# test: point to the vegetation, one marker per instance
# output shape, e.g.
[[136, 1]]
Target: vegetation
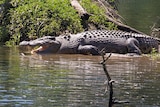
[[154, 55], [97, 17], [4, 20], [29, 19]]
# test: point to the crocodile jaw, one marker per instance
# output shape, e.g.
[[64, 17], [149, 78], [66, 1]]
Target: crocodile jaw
[[47, 48], [41, 48]]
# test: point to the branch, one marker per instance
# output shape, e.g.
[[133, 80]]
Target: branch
[[111, 101], [112, 16], [110, 81]]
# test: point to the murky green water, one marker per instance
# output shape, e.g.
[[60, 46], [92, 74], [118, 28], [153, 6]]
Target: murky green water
[[76, 80], [140, 14]]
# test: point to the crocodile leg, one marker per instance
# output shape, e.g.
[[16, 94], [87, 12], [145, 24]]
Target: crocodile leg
[[133, 46], [88, 49]]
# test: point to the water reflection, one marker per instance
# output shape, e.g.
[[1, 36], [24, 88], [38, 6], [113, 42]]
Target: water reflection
[[70, 78], [76, 80], [9, 71]]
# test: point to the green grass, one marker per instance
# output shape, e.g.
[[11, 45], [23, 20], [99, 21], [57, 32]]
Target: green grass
[[154, 54]]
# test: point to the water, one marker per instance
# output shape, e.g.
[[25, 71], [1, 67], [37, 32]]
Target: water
[[76, 80], [140, 14]]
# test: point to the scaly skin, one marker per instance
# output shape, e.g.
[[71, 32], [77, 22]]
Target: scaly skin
[[91, 42]]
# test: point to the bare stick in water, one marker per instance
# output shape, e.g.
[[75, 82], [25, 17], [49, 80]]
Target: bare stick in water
[[110, 81]]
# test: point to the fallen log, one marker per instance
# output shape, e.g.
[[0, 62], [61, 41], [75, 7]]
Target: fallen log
[[82, 12]]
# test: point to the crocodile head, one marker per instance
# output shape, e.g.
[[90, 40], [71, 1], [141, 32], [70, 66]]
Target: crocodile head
[[47, 44]]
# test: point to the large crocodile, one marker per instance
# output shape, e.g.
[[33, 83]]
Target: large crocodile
[[91, 42]]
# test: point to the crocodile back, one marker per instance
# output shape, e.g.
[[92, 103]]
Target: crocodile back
[[146, 43]]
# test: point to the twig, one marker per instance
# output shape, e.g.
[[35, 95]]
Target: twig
[[108, 77], [110, 81]]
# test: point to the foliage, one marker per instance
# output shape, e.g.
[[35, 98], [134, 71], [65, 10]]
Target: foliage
[[113, 3], [97, 14], [154, 55], [4, 7], [3, 33], [2, 1], [35, 18], [29, 19]]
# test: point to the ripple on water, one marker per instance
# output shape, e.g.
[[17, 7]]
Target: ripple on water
[[77, 80]]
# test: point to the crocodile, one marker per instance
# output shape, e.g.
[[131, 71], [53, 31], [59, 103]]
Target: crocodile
[[92, 42]]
